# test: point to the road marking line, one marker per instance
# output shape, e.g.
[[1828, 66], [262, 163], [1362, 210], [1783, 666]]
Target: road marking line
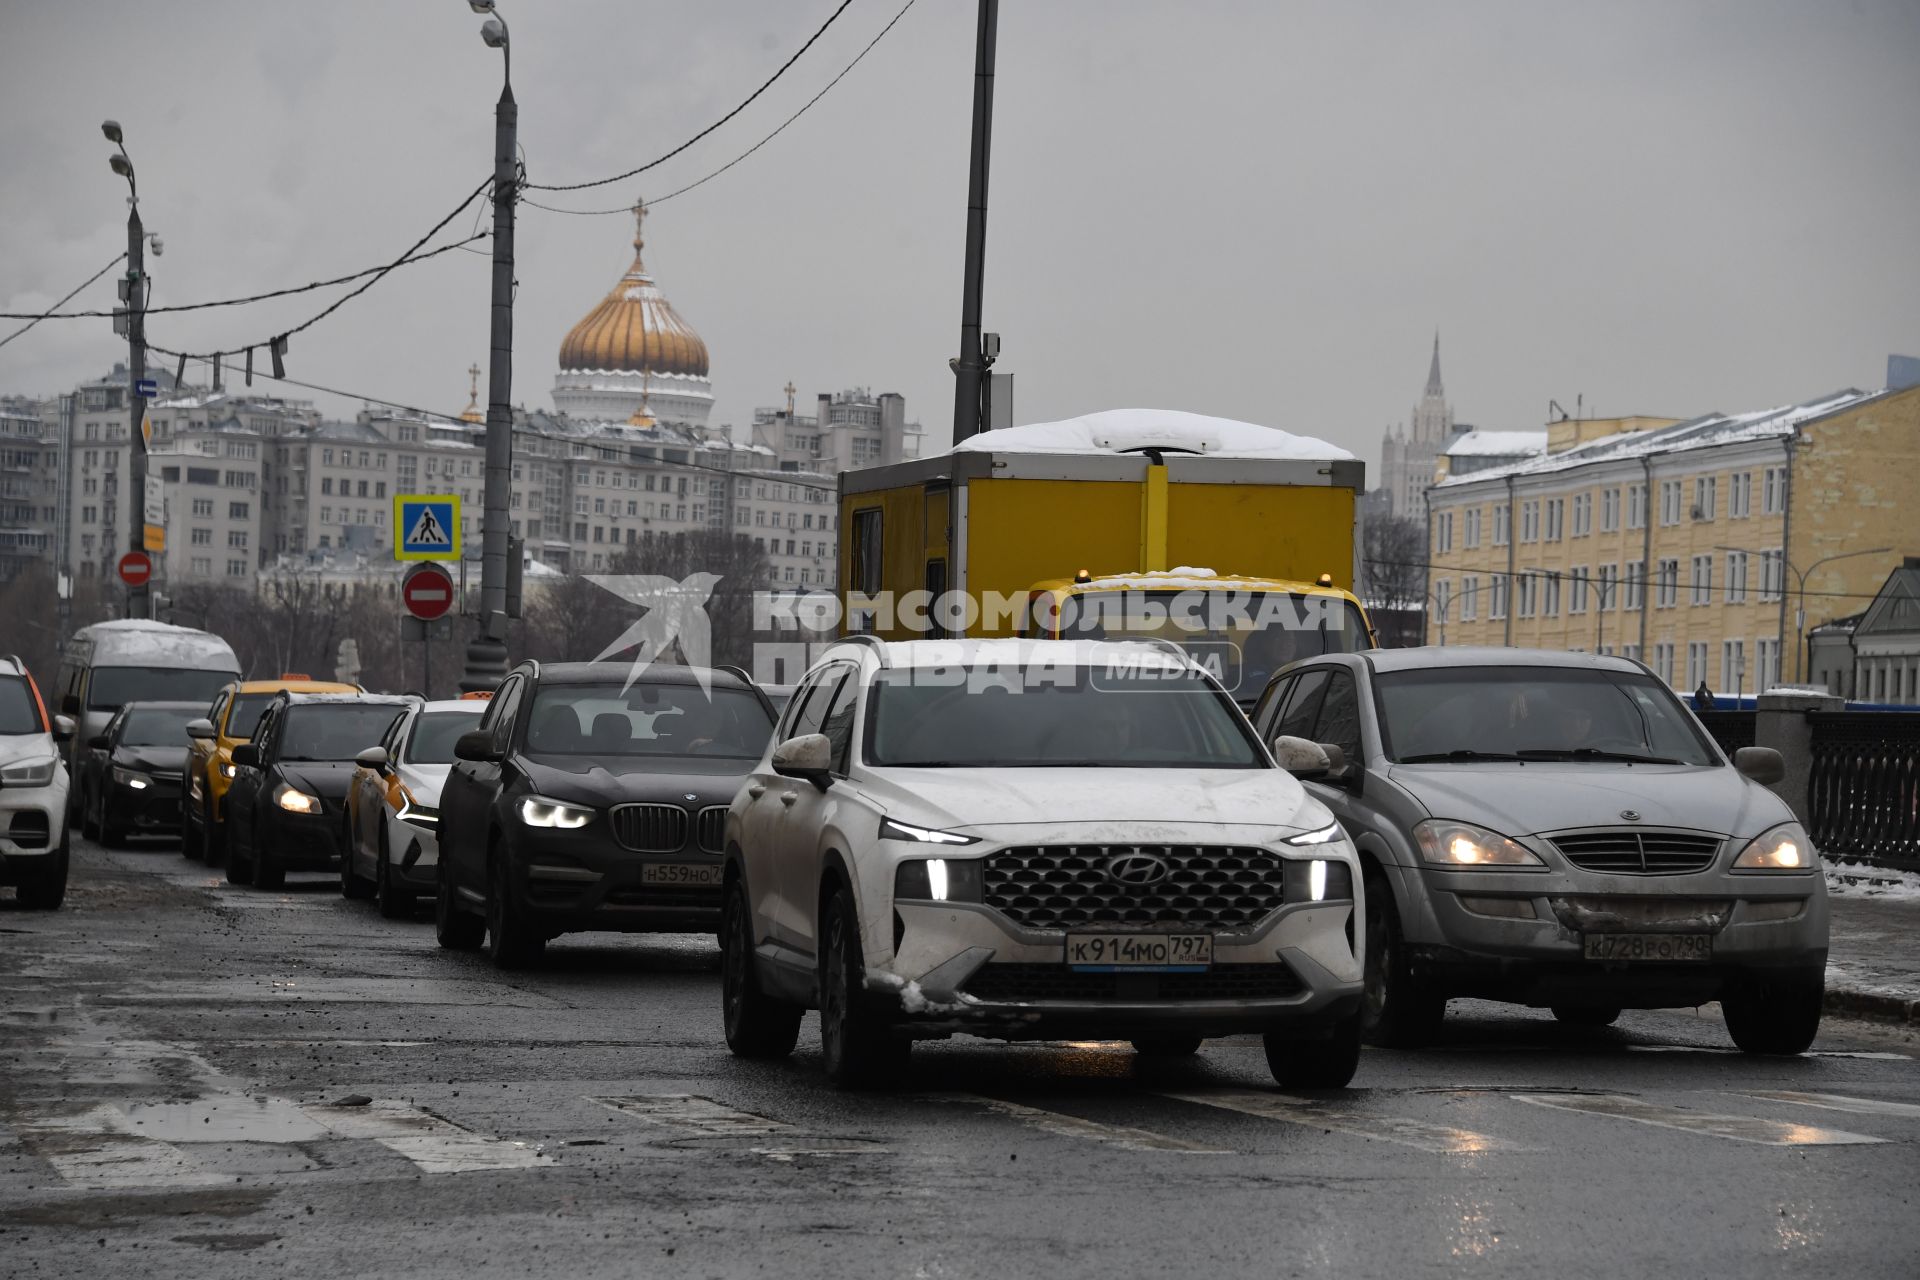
[[1318, 1115], [114, 1160], [1872, 1056], [693, 1112], [1061, 1125], [1838, 1102], [435, 1144], [1737, 1128]]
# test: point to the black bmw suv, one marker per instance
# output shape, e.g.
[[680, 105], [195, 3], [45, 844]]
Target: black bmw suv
[[592, 799], [286, 808]]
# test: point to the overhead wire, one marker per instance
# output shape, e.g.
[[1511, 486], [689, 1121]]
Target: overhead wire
[[118, 258], [597, 213], [635, 172]]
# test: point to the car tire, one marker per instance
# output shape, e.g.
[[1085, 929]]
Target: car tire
[[394, 902], [109, 835], [205, 847], [268, 873], [1166, 1046], [1400, 1009], [89, 824], [756, 1024], [454, 929], [1326, 1062], [352, 883], [1586, 1015], [239, 869], [858, 1049], [512, 941], [48, 889], [1775, 1015]]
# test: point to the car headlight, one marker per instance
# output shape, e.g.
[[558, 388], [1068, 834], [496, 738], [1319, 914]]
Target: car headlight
[[29, 773], [940, 880], [294, 800], [1462, 845], [1319, 835], [538, 811], [892, 830], [226, 769], [129, 778], [1784, 848], [411, 810]]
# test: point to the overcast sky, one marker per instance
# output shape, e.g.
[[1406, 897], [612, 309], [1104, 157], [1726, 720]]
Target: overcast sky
[[1261, 210]]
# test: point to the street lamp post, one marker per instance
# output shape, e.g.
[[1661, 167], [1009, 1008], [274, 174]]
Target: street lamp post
[[487, 654], [136, 299], [1440, 611]]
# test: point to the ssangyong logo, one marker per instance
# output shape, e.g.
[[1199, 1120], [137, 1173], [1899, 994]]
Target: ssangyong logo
[[1135, 869]]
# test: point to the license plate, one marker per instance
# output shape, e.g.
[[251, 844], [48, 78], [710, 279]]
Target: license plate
[[1666, 947], [692, 874], [1139, 952]]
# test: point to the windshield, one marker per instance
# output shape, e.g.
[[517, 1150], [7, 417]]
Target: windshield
[[647, 720], [434, 732], [1534, 713], [156, 727], [1070, 716], [335, 731], [113, 687], [1240, 637], [17, 712]]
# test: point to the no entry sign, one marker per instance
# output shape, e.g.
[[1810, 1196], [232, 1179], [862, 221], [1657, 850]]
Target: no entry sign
[[135, 568], [427, 591]]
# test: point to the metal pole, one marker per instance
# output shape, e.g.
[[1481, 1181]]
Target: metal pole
[[137, 597], [970, 367], [487, 653]]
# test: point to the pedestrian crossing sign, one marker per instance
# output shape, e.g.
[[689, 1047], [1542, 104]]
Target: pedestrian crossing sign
[[426, 526]]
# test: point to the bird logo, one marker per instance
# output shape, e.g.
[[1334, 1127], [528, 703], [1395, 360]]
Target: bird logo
[[675, 612]]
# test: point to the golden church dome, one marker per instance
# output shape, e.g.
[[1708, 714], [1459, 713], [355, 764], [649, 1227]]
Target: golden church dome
[[635, 329]]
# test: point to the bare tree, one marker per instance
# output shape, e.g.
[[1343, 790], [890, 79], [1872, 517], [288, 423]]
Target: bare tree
[[1393, 577]]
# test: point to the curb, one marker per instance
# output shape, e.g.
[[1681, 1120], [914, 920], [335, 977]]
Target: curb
[[1872, 1004]]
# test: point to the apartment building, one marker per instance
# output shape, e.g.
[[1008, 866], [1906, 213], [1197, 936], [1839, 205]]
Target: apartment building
[[848, 429], [1704, 548]]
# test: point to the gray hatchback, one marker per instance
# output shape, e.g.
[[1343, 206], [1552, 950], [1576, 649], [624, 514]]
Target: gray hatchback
[[1557, 830]]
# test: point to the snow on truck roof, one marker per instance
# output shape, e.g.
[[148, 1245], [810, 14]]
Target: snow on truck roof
[[1115, 431], [139, 642]]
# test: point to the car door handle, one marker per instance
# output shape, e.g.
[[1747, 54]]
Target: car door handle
[[788, 797], [756, 790]]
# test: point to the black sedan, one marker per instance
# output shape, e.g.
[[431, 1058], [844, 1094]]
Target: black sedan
[[284, 809], [591, 799], [130, 783]]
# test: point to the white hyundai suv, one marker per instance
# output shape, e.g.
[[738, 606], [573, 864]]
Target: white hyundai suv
[[1033, 840], [33, 791]]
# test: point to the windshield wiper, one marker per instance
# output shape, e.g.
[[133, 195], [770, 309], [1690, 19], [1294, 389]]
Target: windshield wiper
[[1594, 753], [1462, 753]]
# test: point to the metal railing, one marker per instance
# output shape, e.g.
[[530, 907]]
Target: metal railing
[[1863, 789], [1731, 729]]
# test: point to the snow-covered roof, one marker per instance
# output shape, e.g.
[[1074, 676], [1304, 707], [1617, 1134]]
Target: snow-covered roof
[[1481, 444], [1705, 432], [1115, 431], [141, 642]]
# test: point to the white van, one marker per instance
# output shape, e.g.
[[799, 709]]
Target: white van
[[134, 660]]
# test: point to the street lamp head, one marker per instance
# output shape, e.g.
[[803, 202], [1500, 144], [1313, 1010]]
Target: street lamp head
[[494, 32], [154, 243], [112, 129], [118, 163], [480, 6]]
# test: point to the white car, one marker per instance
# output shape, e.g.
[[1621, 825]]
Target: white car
[[1033, 840], [393, 806], [33, 791]]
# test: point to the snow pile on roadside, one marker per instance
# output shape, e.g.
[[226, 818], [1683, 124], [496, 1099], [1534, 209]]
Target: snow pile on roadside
[[1853, 880]]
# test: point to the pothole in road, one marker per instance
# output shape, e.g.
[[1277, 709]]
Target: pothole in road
[[223, 1118]]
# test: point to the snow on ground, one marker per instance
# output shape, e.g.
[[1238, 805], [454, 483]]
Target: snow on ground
[[1855, 880]]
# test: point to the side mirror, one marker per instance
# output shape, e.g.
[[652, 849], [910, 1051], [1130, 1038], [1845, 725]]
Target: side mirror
[[1763, 764], [98, 742], [246, 756], [70, 704], [1305, 760], [475, 744], [62, 729], [806, 757], [201, 730], [374, 758]]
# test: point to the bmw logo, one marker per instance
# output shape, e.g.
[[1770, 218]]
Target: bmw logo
[[691, 795]]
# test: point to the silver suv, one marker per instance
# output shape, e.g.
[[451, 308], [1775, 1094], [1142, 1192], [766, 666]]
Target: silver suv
[[1033, 840]]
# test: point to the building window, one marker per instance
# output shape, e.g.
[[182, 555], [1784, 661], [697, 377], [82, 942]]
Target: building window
[[1736, 574], [203, 506], [1469, 598], [326, 484], [1768, 654], [1530, 520], [1772, 574], [1740, 494], [1669, 502], [1497, 590], [202, 537], [1696, 663], [1550, 597], [1556, 518], [1472, 537], [1773, 491], [1442, 530], [1609, 510], [1702, 580], [1637, 506], [236, 568], [1706, 499], [1582, 514], [1577, 589], [1733, 664], [1668, 585], [1502, 525], [1635, 582]]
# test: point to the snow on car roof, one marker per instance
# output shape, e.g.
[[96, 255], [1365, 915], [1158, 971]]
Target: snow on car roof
[[469, 706], [1115, 431]]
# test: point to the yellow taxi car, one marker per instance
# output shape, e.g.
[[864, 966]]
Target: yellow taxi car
[[228, 723]]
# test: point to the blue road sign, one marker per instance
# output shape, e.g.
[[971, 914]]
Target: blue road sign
[[426, 526], [146, 388]]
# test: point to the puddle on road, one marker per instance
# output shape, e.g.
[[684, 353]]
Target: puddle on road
[[223, 1118]]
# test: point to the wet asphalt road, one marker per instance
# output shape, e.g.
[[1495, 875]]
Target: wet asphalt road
[[171, 1050]]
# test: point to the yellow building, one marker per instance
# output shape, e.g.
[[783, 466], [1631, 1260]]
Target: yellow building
[[1706, 548]]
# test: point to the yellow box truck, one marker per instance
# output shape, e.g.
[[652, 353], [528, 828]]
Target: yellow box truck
[[1233, 539]]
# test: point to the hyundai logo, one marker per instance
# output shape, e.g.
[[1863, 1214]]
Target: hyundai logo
[[1137, 869]]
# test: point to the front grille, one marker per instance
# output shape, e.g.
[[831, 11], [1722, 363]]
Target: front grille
[[1210, 888], [1631, 852], [711, 828], [650, 828], [1026, 983]]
